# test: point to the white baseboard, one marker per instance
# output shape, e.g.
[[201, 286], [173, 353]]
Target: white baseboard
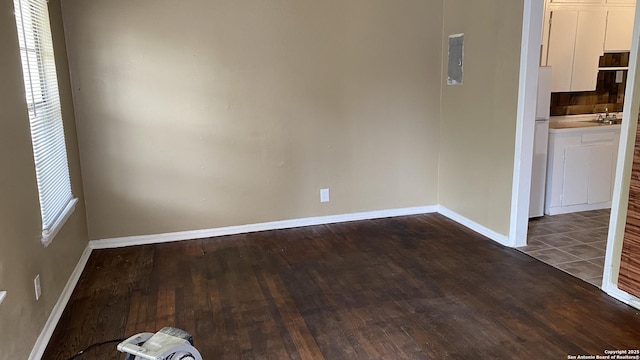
[[241, 229], [613, 291], [117, 242], [557, 210], [58, 309], [482, 230]]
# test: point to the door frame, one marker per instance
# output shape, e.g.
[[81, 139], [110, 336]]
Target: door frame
[[526, 112], [533, 14], [623, 173]]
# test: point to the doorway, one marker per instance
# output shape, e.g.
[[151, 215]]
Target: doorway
[[554, 228]]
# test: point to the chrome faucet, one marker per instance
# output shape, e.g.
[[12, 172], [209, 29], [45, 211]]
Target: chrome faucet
[[610, 118]]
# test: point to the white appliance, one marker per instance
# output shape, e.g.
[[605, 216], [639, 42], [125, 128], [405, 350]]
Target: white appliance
[[540, 143]]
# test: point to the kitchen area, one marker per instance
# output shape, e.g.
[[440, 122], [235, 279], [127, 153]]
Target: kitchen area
[[584, 64]]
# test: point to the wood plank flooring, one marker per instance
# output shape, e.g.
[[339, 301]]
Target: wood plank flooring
[[417, 287]]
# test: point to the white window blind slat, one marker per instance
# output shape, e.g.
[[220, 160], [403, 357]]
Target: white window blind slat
[[45, 116]]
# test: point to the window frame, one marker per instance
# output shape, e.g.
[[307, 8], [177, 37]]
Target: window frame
[[42, 96]]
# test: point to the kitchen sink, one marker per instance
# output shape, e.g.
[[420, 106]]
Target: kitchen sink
[[610, 121]]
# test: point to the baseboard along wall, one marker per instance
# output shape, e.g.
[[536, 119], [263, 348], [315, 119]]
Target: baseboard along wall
[[58, 308], [111, 243]]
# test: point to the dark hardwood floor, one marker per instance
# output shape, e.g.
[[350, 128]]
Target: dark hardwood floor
[[418, 287]]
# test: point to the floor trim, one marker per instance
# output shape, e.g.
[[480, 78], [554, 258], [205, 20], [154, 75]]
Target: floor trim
[[110, 243], [481, 229], [613, 291], [58, 309]]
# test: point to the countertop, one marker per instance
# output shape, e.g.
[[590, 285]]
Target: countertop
[[578, 123]]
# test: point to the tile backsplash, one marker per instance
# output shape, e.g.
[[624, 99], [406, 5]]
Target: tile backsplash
[[609, 94]]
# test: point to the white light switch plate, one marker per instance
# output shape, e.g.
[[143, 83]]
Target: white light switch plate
[[3, 294], [324, 195]]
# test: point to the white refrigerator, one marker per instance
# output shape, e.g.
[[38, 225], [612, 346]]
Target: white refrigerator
[[540, 143]]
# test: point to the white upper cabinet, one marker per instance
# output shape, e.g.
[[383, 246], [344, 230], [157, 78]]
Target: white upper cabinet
[[576, 42], [619, 29], [577, 32], [561, 47], [589, 48]]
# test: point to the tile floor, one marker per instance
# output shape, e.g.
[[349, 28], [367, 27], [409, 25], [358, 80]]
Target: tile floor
[[574, 243]]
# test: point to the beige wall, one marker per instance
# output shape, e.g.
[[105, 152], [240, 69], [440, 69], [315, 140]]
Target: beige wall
[[22, 256], [203, 114], [477, 133]]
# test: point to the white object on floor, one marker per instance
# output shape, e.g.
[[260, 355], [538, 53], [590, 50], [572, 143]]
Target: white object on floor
[[168, 343]]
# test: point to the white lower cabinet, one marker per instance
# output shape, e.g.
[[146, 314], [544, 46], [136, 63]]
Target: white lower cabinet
[[575, 182], [587, 174], [581, 169]]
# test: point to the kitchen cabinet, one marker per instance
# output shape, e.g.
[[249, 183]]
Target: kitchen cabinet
[[560, 51], [589, 47], [619, 29], [588, 174], [576, 39], [581, 168]]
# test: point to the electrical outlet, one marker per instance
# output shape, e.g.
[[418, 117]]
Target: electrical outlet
[[36, 284], [324, 195]]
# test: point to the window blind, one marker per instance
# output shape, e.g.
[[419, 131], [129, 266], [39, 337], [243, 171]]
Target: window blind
[[45, 116]]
